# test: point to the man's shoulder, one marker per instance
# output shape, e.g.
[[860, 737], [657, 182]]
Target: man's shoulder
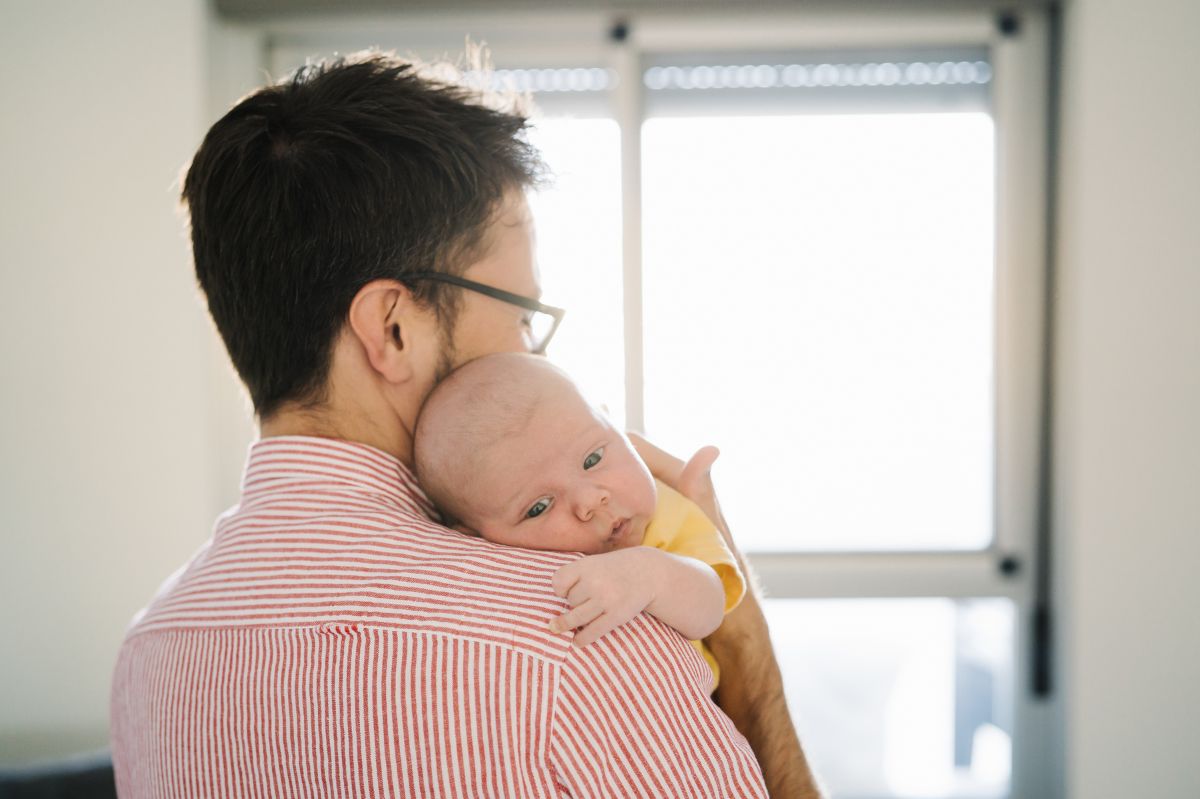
[[389, 569], [644, 655], [641, 696]]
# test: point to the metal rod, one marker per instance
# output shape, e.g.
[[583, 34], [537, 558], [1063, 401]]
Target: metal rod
[[628, 100], [1043, 615]]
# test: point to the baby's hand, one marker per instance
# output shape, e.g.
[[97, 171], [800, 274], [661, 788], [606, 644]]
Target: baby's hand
[[605, 591]]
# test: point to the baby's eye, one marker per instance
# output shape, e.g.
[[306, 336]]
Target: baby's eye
[[593, 459], [527, 319], [538, 508]]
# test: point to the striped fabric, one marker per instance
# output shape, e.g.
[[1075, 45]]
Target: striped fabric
[[332, 640]]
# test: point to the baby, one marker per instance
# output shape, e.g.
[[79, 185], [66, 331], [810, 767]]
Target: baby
[[507, 448]]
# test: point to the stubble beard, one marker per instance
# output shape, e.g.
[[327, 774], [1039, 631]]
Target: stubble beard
[[447, 354]]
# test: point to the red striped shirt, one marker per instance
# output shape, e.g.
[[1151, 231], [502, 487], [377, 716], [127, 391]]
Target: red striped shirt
[[332, 640]]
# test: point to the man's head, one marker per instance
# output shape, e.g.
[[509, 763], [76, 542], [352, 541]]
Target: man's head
[[313, 200], [508, 446]]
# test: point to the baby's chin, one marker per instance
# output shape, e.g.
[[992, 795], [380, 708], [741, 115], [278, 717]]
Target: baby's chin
[[642, 523]]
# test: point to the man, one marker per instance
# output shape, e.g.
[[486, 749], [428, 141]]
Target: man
[[358, 231]]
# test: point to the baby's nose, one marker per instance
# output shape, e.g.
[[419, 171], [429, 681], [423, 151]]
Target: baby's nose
[[588, 501]]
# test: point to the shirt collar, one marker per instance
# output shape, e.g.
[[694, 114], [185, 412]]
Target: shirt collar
[[331, 466]]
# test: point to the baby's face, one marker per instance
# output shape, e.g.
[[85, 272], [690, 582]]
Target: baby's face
[[568, 482]]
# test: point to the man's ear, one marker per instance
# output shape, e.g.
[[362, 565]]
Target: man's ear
[[387, 321]]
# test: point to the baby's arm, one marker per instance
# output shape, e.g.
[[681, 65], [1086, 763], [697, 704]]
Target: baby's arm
[[691, 598], [607, 590]]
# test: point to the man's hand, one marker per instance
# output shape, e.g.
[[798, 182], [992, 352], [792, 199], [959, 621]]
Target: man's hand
[[692, 479], [605, 591], [695, 479]]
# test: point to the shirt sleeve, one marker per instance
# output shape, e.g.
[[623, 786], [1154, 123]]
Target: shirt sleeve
[[680, 527], [632, 718]]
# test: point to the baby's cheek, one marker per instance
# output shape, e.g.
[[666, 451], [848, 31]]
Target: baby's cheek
[[639, 534], [538, 536], [497, 533], [649, 496]]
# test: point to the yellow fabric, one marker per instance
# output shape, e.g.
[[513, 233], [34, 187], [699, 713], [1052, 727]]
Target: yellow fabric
[[681, 528]]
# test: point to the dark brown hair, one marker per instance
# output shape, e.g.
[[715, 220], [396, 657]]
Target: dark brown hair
[[347, 171]]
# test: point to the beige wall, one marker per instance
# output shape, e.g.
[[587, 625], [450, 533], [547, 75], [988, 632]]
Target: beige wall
[[1128, 477], [106, 475]]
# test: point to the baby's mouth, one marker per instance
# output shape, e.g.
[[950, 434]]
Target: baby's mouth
[[619, 528]]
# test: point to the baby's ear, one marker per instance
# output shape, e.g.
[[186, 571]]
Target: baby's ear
[[457, 526], [448, 520]]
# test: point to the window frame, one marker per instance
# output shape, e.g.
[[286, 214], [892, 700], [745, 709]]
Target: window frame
[[241, 51]]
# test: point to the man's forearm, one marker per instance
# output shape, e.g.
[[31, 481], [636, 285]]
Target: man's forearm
[[751, 688], [751, 694]]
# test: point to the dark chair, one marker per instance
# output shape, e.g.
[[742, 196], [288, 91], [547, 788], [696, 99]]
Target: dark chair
[[87, 776]]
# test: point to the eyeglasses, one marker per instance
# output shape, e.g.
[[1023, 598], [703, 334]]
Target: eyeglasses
[[542, 320]]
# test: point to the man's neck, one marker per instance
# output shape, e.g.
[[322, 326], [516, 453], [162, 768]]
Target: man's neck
[[346, 426]]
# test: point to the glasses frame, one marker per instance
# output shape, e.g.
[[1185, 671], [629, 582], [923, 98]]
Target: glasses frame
[[528, 303]]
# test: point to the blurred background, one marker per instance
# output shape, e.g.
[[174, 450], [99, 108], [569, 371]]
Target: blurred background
[[926, 272]]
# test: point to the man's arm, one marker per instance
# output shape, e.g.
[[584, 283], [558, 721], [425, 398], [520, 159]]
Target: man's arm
[[751, 692], [751, 688]]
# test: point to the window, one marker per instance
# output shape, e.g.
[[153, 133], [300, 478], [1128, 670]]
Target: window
[[579, 249], [818, 242], [901, 697], [832, 272]]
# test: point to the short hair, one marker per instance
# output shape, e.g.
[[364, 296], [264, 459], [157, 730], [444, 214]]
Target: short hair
[[480, 403], [347, 171]]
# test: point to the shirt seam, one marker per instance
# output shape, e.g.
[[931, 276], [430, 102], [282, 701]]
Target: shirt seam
[[556, 662]]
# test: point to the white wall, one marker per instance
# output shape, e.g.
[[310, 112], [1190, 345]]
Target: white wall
[[1128, 476], [106, 474]]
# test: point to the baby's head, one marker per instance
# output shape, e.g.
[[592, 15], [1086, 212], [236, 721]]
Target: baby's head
[[507, 446]]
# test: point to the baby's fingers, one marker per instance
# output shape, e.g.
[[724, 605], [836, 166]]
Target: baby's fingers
[[565, 578], [576, 617], [601, 626]]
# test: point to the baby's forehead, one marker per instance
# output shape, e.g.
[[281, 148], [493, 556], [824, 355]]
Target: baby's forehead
[[548, 445], [553, 422]]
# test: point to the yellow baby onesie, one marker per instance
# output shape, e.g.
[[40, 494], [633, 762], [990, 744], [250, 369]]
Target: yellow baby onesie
[[681, 528]]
